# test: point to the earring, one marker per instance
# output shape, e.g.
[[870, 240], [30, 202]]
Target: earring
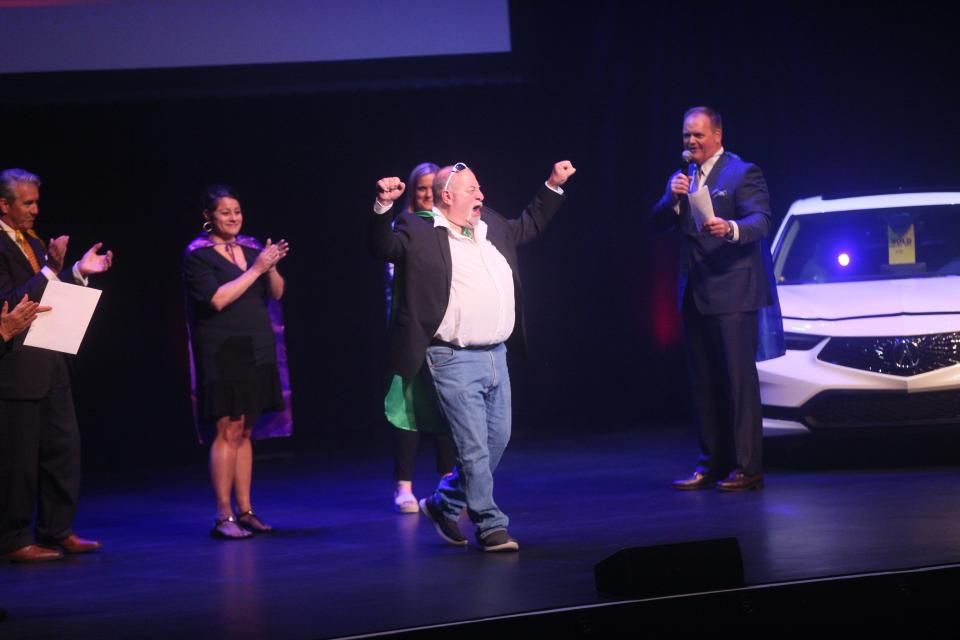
[[207, 227]]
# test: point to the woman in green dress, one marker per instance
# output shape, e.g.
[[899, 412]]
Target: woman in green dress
[[410, 405]]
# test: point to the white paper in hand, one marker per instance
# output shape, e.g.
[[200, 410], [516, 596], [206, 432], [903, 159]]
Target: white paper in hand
[[63, 327], [701, 206]]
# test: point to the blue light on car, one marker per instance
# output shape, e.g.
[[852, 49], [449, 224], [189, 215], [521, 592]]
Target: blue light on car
[[843, 259]]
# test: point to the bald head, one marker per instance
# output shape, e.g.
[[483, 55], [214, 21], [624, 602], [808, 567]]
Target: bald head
[[457, 194], [443, 181]]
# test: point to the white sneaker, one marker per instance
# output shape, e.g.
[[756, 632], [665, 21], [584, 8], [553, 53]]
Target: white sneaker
[[404, 501]]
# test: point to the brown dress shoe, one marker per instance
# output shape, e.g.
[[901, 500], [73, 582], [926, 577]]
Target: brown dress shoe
[[75, 544], [33, 553], [698, 480], [739, 481]]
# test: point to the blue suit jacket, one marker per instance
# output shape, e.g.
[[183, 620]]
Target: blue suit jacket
[[725, 277]]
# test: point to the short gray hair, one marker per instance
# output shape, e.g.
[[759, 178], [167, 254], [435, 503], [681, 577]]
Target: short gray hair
[[10, 178]]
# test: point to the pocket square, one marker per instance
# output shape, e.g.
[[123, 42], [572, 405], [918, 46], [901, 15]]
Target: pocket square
[[719, 193]]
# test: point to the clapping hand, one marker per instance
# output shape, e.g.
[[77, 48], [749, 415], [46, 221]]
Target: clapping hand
[[92, 262], [57, 252], [20, 318], [271, 255]]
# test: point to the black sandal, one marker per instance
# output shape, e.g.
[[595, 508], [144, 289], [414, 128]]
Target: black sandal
[[229, 529], [249, 521]]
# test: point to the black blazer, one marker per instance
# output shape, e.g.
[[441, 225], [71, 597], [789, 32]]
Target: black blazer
[[725, 277], [422, 252], [25, 372]]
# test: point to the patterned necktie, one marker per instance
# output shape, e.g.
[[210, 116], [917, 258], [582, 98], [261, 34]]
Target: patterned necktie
[[697, 179], [27, 249]]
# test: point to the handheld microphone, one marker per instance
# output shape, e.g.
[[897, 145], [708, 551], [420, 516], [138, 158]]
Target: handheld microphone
[[687, 157]]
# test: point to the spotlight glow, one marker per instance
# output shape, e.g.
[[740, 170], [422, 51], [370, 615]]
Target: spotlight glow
[[843, 259]]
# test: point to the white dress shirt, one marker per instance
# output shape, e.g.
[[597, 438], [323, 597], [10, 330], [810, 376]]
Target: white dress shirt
[[481, 309], [707, 166]]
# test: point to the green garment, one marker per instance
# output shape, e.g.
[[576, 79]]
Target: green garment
[[465, 231], [411, 404]]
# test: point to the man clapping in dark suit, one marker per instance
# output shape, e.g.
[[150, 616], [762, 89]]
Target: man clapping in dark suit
[[39, 437], [723, 284]]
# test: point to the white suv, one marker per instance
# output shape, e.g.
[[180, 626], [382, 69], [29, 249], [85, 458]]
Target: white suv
[[870, 294]]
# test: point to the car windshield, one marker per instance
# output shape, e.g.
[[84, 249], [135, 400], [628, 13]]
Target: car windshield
[[872, 244]]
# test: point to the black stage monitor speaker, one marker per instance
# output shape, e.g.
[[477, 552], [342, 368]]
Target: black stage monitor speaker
[[670, 569]]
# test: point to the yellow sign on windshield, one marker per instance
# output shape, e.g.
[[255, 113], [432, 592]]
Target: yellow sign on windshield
[[902, 247]]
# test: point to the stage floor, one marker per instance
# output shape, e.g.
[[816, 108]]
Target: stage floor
[[343, 563]]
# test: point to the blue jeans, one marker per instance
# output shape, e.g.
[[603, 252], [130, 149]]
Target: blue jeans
[[473, 392]]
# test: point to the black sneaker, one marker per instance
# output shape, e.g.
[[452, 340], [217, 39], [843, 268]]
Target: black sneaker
[[498, 540], [446, 527]]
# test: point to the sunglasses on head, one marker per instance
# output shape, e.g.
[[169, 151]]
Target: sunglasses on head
[[455, 169]]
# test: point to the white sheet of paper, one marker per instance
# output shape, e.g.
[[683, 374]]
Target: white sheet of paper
[[701, 207], [63, 327]]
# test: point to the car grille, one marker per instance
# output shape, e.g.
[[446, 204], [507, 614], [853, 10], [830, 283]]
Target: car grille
[[882, 408], [898, 356]]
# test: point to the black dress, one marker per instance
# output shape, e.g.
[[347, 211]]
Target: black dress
[[234, 349]]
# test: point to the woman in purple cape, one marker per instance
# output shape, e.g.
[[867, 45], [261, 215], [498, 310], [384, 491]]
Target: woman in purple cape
[[236, 345]]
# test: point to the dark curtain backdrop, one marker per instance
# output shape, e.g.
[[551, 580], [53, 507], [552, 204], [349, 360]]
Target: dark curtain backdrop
[[826, 98]]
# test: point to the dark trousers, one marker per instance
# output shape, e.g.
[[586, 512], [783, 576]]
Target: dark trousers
[[721, 360], [39, 465], [405, 453]]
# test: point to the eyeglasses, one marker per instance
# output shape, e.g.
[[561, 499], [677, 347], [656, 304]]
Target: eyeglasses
[[454, 169]]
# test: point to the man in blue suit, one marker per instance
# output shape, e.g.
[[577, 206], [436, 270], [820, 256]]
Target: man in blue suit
[[723, 285]]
